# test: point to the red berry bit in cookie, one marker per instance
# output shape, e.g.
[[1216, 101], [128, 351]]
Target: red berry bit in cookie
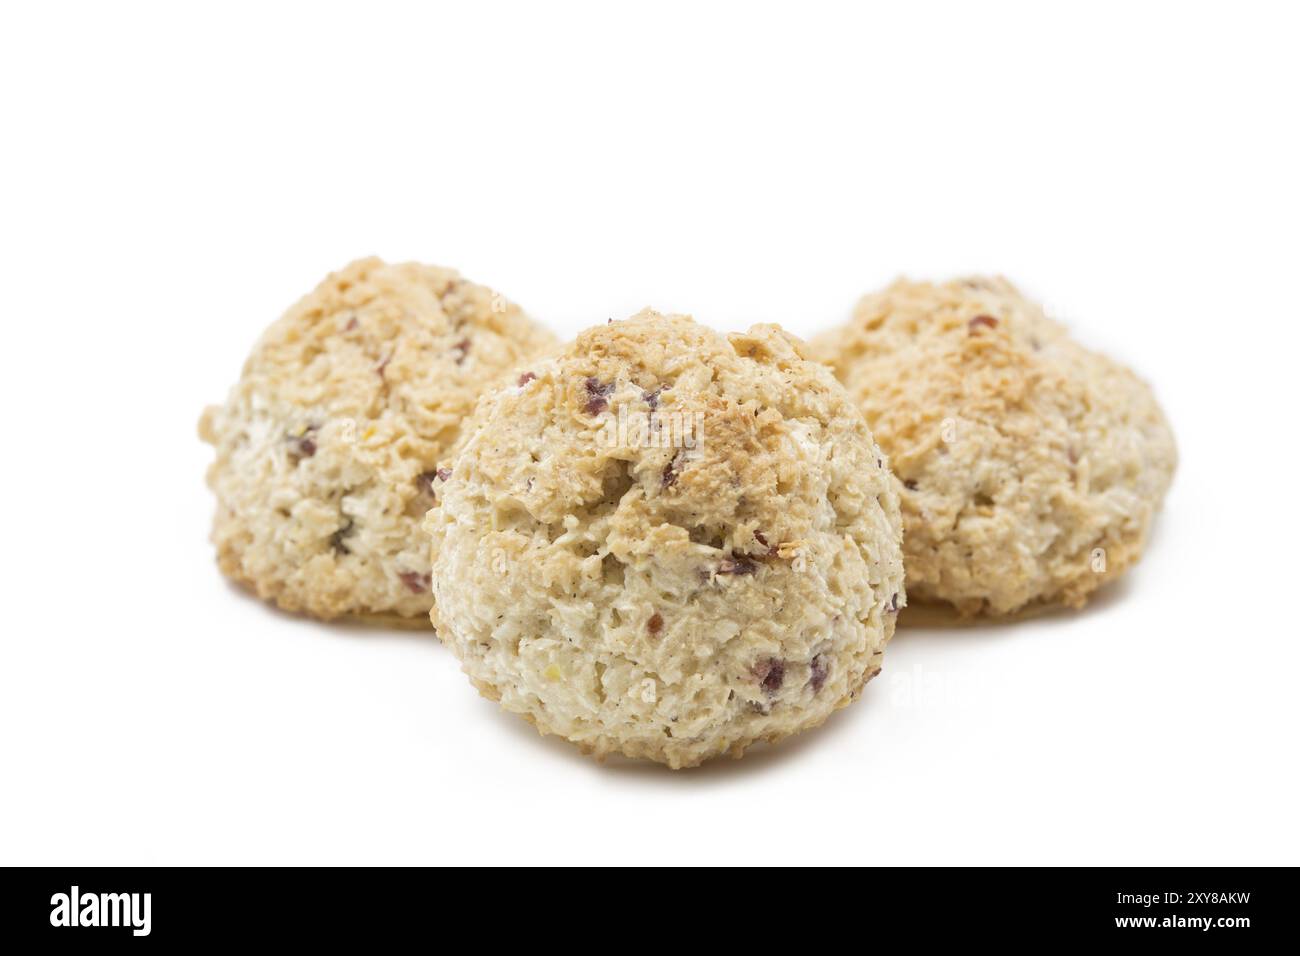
[[770, 674], [670, 473], [737, 564], [598, 393], [982, 321], [771, 551], [302, 445], [817, 671], [417, 583]]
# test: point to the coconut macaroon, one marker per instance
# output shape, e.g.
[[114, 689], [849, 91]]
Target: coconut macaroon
[[669, 543], [1029, 467], [329, 445]]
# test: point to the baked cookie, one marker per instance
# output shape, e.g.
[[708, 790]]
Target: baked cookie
[[668, 543], [1029, 467], [328, 447]]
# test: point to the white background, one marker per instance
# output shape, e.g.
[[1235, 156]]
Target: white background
[[173, 177]]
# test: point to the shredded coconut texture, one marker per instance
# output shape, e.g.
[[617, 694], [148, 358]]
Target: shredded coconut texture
[[637, 596], [1029, 467], [327, 449]]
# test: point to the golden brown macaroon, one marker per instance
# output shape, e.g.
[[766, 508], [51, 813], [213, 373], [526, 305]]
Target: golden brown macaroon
[[668, 543], [1029, 467], [328, 447]]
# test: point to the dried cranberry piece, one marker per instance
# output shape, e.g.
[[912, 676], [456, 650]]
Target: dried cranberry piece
[[770, 551], [655, 624], [416, 582], [737, 564], [303, 446], [443, 474], [526, 378], [817, 671], [770, 674], [987, 321], [597, 396]]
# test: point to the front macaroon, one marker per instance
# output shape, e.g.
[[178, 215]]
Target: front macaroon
[[668, 543]]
